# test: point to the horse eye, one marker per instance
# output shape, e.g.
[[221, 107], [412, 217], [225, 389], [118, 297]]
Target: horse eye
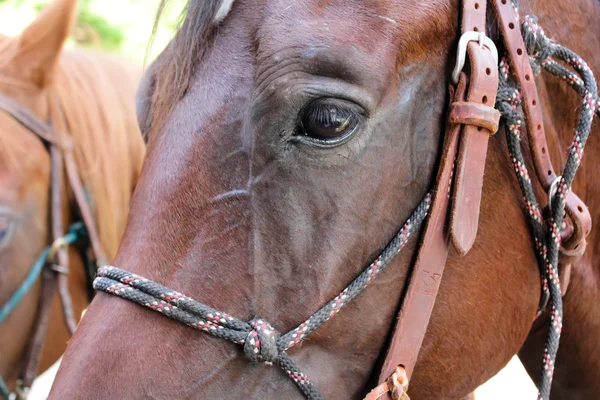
[[6, 227], [327, 123]]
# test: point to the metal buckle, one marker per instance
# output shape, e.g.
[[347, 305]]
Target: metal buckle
[[461, 52], [552, 191], [56, 245]]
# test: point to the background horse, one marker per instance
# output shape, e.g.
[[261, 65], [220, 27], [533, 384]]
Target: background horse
[[288, 142], [95, 93]]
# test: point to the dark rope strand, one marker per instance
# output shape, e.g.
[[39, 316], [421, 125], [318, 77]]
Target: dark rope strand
[[582, 132], [367, 276], [541, 51], [261, 342], [509, 103]]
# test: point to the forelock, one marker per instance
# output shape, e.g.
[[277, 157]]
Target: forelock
[[223, 10], [175, 66]]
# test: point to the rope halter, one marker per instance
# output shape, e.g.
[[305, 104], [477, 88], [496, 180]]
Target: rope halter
[[261, 343]]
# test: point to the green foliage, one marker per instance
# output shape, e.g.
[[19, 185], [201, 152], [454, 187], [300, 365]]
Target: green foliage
[[117, 26], [93, 30], [111, 36]]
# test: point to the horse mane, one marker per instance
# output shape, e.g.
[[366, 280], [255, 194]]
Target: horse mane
[[174, 67], [95, 92]]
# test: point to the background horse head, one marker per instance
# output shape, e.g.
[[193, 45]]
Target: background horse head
[[95, 95], [288, 142]]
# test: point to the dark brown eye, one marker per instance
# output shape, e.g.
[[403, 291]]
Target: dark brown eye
[[327, 123]]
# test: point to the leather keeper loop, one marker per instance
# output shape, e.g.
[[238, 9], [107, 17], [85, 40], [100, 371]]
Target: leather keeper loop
[[571, 256], [468, 113]]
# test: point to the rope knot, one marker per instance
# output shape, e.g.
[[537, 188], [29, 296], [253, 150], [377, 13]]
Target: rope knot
[[261, 342], [539, 47]]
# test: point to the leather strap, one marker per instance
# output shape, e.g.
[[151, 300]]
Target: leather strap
[[580, 221], [471, 123], [36, 344], [466, 201], [426, 276], [427, 273], [60, 125], [50, 280], [61, 155], [462, 112], [44, 307], [27, 119], [65, 144], [58, 194], [519, 63], [473, 145], [396, 387]]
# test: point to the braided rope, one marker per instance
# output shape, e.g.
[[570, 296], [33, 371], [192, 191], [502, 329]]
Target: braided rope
[[261, 342], [4, 392], [543, 53]]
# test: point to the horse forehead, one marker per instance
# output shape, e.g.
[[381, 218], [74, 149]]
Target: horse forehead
[[319, 35], [375, 28], [312, 20], [23, 159]]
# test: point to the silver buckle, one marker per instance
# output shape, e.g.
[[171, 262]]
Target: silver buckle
[[461, 52], [552, 191], [56, 245]]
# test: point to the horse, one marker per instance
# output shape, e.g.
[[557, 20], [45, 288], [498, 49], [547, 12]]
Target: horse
[[88, 99], [288, 141]]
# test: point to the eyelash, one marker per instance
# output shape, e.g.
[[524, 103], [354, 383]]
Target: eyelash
[[323, 114]]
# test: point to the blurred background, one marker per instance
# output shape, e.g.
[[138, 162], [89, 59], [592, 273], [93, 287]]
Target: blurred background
[[124, 27]]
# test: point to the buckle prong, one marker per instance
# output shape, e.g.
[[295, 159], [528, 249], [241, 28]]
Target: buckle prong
[[56, 245], [461, 51], [552, 191]]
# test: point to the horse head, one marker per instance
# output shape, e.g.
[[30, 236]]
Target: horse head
[[287, 143], [54, 103], [28, 67]]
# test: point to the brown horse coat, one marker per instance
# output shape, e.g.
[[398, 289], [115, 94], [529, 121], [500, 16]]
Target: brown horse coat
[[237, 212], [96, 94]]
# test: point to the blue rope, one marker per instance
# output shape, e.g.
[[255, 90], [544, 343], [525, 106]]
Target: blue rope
[[76, 232], [4, 389], [27, 284]]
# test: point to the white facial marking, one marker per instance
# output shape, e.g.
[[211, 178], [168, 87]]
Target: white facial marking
[[223, 10]]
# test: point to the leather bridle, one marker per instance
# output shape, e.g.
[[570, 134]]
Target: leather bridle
[[53, 263], [452, 221], [469, 123]]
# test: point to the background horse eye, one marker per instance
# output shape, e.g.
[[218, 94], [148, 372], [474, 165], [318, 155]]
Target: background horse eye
[[6, 227], [327, 123]]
